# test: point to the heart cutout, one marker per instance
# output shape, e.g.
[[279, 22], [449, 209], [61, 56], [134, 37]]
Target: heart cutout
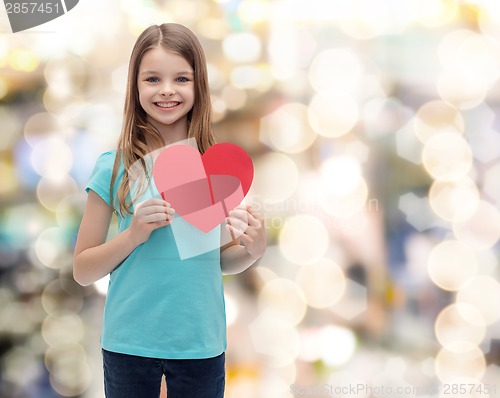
[[203, 188]]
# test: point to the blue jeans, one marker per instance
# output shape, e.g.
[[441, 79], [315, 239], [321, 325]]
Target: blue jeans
[[129, 376]]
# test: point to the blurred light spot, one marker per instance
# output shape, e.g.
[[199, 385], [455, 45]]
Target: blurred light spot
[[313, 10], [23, 60], [434, 13], [451, 265], [11, 127], [8, 176], [4, 88], [50, 246], [264, 273], [20, 367], [282, 299], [323, 283], [4, 50], [287, 129], [337, 345], [290, 49], [242, 47], [16, 318], [22, 224], [354, 301], [56, 298], [435, 116], [69, 210], [251, 77], [469, 54], [408, 146], [310, 349], [218, 108], [488, 262], [50, 192], [40, 127], [481, 292], [253, 11], [462, 92], [336, 69], [234, 98], [65, 76], [62, 328], [491, 185], [341, 174], [418, 211], [213, 28], [303, 239], [293, 86], [366, 19], [333, 114], [460, 359], [232, 310], [447, 156], [485, 144], [102, 284], [28, 282], [276, 339], [119, 78], [357, 149], [489, 18], [454, 200], [102, 123], [52, 158], [276, 177], [216, 78], [70, 374], [344, 191], [481, 230], [451, 327]]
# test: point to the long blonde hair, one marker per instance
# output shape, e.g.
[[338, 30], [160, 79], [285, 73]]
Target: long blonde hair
[[138, 137]]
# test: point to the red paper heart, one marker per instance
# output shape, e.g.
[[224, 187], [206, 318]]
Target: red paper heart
[[203, 189]]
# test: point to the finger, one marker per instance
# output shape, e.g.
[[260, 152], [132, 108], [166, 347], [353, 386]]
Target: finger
[[155, 217], [150, 202], [156, 201], [146, 210], [237, 222], [246, 217], [239, 213], [236, 233], [255, 213]]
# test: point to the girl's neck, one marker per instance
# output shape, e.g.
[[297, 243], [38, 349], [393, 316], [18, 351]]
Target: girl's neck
[[172, 133]]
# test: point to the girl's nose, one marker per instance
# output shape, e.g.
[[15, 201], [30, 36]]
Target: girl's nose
[[167, 90]]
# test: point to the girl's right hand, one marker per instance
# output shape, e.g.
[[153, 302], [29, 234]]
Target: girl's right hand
[[148, 216]]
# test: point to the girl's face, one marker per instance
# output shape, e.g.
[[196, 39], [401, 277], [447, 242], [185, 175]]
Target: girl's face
[[166, 91]]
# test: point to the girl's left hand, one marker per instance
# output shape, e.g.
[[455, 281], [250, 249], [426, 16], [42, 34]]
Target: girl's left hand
[[248, 225]]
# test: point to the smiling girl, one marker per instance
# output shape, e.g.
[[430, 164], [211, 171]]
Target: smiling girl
[[163, 315]]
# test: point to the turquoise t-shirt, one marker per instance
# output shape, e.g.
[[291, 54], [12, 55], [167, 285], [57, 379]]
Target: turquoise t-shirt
[[158, 304]]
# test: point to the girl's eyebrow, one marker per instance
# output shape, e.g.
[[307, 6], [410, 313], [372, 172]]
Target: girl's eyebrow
[[154, 72]]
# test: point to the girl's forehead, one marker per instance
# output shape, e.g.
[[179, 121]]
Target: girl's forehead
[[165, 59]]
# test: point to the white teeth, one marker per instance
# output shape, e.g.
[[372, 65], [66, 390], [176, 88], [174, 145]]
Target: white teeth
[[167, 105]]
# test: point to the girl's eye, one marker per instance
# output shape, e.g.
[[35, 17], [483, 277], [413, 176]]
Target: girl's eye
[[182, 79], [152, 79]]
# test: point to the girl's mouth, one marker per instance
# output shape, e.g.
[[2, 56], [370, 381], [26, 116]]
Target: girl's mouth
[[167, 105]]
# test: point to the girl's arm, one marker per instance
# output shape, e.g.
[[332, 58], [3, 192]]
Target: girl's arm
[[250, 245], [94, 257]]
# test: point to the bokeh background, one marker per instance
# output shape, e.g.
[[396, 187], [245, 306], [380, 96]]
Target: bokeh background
[[374, 132]]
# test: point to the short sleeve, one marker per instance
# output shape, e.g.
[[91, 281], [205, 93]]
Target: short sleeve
[[100, 178]]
